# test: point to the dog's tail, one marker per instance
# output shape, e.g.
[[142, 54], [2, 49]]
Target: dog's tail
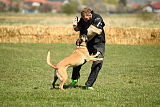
[[49, 61]]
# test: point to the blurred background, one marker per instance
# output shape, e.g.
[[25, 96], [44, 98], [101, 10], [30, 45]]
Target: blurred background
[[121, 13], [74, 6], [32, 18]]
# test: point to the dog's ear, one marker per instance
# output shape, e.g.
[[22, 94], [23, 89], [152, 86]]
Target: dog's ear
[[86, 38]]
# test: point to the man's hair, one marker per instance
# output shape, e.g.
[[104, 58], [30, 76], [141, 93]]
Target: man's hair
[[85, 11]]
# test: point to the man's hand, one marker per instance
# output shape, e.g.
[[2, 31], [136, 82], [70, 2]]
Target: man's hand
[[75, 21]]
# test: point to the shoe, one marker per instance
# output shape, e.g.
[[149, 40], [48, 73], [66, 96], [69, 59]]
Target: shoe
[[89, 88], [72, 83]]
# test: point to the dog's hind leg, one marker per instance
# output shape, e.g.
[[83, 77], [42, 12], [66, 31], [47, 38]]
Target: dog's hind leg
[[55, 78], [62, 83], [63, 79]]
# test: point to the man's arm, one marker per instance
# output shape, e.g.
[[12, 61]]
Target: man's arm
[[95, 28], [92, 31]]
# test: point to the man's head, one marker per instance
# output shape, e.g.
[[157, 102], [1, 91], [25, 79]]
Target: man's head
[[86, 14]]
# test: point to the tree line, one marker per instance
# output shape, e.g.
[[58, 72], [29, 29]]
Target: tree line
[[72, 6]]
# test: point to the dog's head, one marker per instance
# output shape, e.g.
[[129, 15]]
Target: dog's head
[[82, 39]]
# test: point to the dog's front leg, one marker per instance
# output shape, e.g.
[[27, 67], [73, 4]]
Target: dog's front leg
[[90, 58], [98, 53]]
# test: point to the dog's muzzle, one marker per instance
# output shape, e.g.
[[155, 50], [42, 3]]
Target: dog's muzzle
[[82, 38]]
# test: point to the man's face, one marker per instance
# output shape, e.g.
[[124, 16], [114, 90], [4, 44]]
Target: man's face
[[88, 17]]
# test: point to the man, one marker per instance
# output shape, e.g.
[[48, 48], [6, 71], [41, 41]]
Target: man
[[92, 25]]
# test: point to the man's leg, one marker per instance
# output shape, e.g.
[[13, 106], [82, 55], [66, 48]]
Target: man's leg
[[76, 72], [75, 75], [96, 66]]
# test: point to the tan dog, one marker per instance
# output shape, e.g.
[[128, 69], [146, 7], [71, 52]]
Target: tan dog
[[78, 57]]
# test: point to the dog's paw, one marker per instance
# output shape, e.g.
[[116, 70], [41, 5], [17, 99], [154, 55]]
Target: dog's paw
[[100, 59], [98, 53]]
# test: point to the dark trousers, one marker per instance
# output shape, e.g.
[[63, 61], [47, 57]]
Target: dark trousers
[[96, 66]]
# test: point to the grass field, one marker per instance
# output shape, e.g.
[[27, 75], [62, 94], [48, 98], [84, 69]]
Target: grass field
[[130, 77]]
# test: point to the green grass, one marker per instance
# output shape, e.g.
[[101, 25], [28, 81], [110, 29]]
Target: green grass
[[130, 77]]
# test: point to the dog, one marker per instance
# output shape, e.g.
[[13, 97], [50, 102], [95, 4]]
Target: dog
[[78, 57]]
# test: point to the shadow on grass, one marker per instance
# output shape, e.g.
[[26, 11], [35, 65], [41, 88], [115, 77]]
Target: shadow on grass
[[67, 87]]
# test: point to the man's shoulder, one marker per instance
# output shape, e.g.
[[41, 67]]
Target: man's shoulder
[[98, 21], [95, 16]]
